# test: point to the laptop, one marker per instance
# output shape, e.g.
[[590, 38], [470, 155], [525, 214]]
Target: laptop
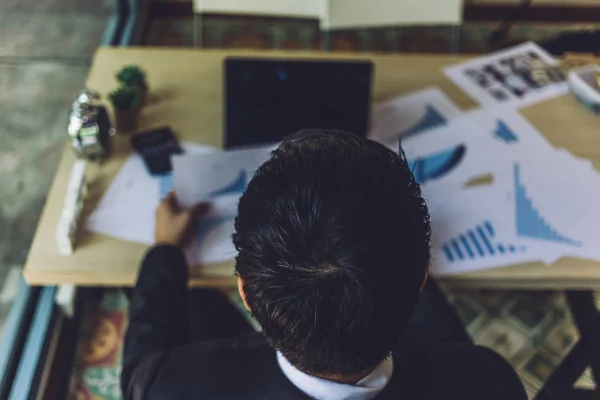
[[267, 99]]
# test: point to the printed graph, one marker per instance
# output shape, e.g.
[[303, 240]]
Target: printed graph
[[237, 186], [431, 119], [207, 224], [504, 133], [528, 219], [477, 243], [437, 165]]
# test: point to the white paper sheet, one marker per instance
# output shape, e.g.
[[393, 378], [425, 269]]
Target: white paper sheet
[[535, 209], [472, 231], [408, 114], [502, 77], [126, 211], [201, 177], [557, 205], [472, 145], [221, 179]]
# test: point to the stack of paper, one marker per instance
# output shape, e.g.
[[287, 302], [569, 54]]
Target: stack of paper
[[201, 174], [531, 208], [533, 202]]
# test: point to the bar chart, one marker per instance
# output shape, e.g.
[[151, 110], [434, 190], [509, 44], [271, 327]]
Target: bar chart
[[529, 222], [478, 242]]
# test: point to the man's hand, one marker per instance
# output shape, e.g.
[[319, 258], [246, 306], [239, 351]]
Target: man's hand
[[173, 225]]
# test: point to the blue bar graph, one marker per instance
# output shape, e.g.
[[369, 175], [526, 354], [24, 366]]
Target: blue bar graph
[[448, 253], [483, 237], [457, 249], [477, 243], [467, 246], [489, 227], [529, 221]]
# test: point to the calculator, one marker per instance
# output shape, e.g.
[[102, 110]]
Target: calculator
[[156, 148]]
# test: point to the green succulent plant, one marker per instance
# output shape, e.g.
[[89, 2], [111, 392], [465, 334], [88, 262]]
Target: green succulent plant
[[125, 98], [132, 75]]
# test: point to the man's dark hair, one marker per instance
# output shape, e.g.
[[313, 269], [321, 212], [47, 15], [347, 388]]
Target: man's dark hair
[[334, 243]]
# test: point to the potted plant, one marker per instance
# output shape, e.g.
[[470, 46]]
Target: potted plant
[[135, 77], [126, 104]]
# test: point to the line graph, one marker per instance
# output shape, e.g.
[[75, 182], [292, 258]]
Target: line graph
[[431, 119], [237, 186], [528, 219], [477, 242]]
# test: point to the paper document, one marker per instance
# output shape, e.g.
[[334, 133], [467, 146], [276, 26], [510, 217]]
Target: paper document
[[471, 145], [221, 179], [409, 114], [520, 217], [509, 77], [205, 177], [541, 203], [126, 211]]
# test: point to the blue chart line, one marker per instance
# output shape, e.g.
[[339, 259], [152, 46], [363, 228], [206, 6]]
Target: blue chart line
[[432, 119], [529, 221], [437, 165], [237, 186], [504, 133], [477, 243], [165, 185]]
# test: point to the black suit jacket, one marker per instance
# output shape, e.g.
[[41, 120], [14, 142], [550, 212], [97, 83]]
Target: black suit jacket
[[161, 362]]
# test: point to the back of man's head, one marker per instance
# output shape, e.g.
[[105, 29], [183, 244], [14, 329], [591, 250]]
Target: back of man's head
[[333, 239]]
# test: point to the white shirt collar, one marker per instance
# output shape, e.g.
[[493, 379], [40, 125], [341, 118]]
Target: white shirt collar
[[322, 389]]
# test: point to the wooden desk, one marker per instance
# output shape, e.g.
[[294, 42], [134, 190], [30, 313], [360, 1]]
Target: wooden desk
[[187, 89]]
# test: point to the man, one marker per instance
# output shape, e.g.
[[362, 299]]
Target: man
[[334, 248]]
